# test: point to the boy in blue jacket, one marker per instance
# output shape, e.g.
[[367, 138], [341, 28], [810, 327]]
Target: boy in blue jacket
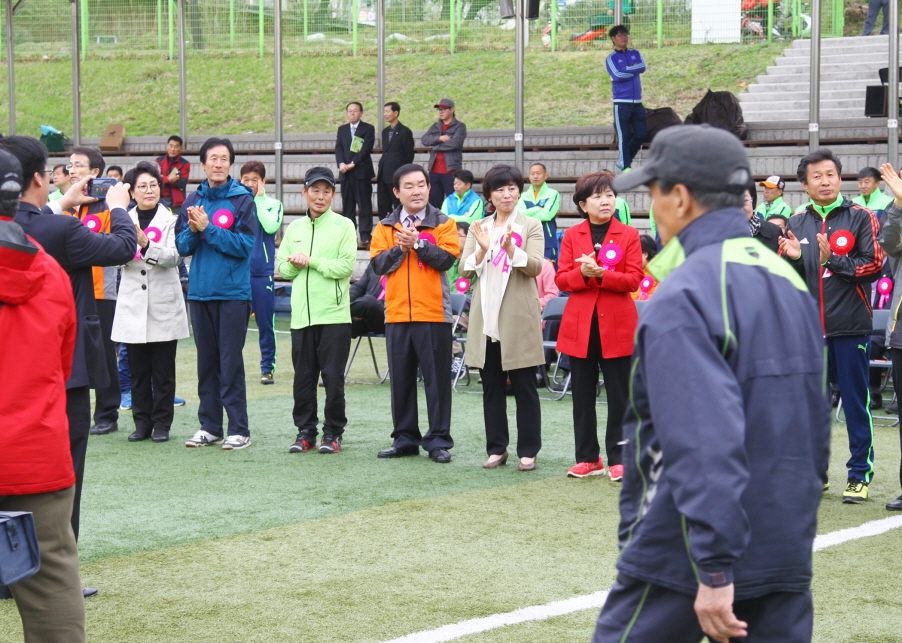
[[217, 226], [624, 65]]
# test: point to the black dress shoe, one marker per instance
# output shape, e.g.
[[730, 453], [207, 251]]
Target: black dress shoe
[[104, 429], [895, 505], [5, 594], [394, 452], [139, 435], [160, 435], [893, 408], [89, 591], [440, 455]]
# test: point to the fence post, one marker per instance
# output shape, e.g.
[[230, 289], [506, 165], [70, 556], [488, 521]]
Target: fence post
[[10, 67], [354, 27], [171, 31], [305, 21], [770, 21], [232, 24], [262, 28], [452, 17], [85, 28], [660, 12], [159, 24], [553, 25]]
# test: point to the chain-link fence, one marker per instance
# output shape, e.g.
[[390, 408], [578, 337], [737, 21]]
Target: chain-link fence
[[136, 27]]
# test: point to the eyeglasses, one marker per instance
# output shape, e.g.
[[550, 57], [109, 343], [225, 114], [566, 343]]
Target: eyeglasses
[[75, 166], [147, 187]]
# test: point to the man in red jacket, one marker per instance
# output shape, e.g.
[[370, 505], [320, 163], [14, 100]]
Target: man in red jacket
[[38, 326]]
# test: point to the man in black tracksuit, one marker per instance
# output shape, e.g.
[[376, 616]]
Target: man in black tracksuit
[[834, 246], [724, 467]]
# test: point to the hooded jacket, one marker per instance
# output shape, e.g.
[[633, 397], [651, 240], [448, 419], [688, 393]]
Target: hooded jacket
[[37, 326], [711, 454], [840, 286], [269, 219], [221, 258]]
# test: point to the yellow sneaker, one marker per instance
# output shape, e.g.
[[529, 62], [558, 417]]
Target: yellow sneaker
[[856, 492]]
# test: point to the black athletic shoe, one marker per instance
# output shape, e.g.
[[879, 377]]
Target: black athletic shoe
[[266, 378], [330, 444], [302, 445]]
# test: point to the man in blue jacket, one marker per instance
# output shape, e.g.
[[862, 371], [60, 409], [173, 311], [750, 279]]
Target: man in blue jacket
[[624, 65], [724, 468], [217, 226]]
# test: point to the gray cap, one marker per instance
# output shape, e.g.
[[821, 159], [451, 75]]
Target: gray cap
[[697, 156], [315, 174], [10, 176], [445, 102]]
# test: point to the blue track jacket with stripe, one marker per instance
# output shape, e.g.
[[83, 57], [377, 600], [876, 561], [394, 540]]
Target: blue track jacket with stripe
[[724, 464], [624, 69]]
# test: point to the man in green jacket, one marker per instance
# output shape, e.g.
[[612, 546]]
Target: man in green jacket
[[263, 287], [870, 195], [464, 204], [773, 203], [318, 254], [541, 202]]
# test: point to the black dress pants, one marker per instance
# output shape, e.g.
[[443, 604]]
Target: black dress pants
[[367, 316], [78, 410], [220, 328], [386, 199], [108, 399], [357, 194], [896, 356], [320, 349], [494, 405], [584, 383], [426, 345], [152, 366], [639, 611]]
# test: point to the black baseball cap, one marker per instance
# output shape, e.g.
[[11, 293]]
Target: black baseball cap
[[11, 184], [697, 156], [315, 174]]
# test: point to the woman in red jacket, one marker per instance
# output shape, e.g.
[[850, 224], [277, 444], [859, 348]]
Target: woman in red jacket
[[600, 265]]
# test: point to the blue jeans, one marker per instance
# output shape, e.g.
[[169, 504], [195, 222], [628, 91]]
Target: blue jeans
[[125, 375], [874, 8]]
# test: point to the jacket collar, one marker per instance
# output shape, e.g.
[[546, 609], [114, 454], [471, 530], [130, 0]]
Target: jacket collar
[[713, 227], [227, 190], [431, 218], [29, 207]]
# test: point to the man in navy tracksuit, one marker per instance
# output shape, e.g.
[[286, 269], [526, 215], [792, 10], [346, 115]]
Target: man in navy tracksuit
[[624, 65], [217, 226], [724, 467], [834, 245]]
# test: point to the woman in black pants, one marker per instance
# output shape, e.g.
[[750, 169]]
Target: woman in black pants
[[150, 312], [503, 255], [600, 265]]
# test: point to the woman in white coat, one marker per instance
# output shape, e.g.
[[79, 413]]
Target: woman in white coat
[[150, 312]]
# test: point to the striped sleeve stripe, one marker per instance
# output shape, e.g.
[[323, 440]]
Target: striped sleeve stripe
[[877, 263], [613, 69]]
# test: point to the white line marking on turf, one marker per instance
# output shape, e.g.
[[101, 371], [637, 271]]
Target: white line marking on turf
[[596, 600]]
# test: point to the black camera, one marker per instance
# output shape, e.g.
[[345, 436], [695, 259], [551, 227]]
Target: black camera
[[97, 188]]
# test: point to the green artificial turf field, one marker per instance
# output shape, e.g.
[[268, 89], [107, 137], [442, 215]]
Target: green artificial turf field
[[194, 545]]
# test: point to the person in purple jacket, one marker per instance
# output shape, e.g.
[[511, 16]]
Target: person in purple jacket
[[624, 65]]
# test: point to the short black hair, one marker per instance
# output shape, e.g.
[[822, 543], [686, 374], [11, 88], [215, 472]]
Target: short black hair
[[210, 143], [95, 158], [777, 216], [649, 246], [872, 172], [31, 153], [143, 167], [177, 139], [618, 29], [465, 175], [407, 169], [61, 165], [498, 177], [592, 183], [463, 226], [354, 102], [394, 106], [116, 168], [822, 154], [542, 165]]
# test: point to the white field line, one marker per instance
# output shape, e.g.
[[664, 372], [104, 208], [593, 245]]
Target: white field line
[[596, 600]]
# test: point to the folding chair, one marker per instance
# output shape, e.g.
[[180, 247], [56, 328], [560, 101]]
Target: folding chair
[[554, 311], [458, 303], [369, 338], [878, 329]]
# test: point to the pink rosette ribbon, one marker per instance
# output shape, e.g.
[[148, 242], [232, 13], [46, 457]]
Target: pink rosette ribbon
[[645, 287], [502, 253], [223, 219], [92, 222], [462, 285], [426, 236], [153, 234], [885, 288], [610, 255], [382, 292]]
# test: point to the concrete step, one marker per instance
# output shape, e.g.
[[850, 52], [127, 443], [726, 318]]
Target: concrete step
[[768, 97], [801, 114], [846, 41], [771, 87], [853, 69], [854, 102], [836, 59]]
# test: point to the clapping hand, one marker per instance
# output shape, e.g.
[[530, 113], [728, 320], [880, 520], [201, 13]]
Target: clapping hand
[[507, 242], [824, 245], [299, 260], [891, 178], [143, 241], [790, 245], [590, 267], [481, 235], [406, 238], [197, 219]]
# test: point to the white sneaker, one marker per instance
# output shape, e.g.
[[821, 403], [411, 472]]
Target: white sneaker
[[236, 442], [203, 439]]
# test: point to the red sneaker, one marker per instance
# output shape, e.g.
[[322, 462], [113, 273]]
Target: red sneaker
[[583, 469], [616, 472]]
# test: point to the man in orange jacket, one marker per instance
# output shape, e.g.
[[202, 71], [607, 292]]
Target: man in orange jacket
[[414, 246]]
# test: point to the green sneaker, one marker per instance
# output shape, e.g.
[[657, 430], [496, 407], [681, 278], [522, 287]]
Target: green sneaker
[[856, 492]]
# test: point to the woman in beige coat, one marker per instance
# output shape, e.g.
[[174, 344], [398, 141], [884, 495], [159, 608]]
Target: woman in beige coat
[[503, 255], [150, 312]]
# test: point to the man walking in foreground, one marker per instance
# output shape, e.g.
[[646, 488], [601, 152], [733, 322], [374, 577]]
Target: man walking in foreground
[[723, 470]]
